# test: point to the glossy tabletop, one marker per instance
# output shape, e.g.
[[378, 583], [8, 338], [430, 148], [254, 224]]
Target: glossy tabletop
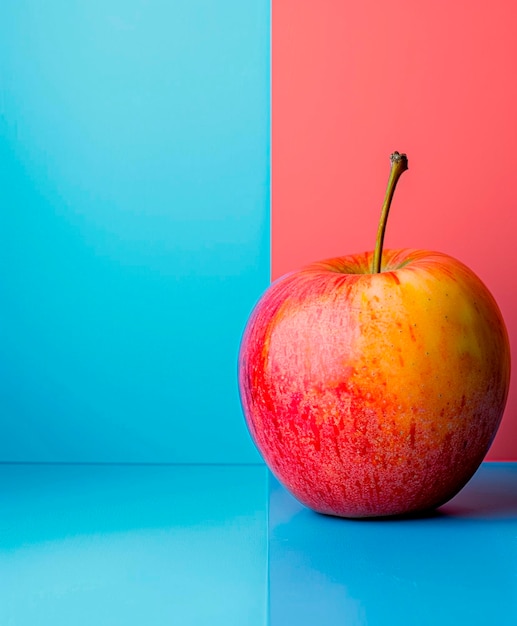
[[457, 566], [132, 545], [196, 545]]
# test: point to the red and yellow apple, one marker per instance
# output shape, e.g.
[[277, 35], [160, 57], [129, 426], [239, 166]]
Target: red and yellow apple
[[375, 393]]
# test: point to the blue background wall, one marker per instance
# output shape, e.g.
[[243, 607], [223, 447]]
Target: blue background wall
[[134, 225]]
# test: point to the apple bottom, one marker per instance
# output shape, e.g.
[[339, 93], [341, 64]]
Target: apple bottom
[[341, 473]]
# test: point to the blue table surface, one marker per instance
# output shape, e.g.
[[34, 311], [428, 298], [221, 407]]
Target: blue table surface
[[195, 545]]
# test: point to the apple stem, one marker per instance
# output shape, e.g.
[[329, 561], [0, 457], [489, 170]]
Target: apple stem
[[399, 165]]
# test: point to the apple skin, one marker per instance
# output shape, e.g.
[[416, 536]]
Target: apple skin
[[375, 394]]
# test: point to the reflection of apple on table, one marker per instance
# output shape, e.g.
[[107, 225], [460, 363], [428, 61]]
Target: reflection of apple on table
[[373, 384]]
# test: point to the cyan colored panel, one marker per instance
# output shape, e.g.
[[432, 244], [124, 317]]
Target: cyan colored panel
[[132, 545], [456, 566], [134, 225]]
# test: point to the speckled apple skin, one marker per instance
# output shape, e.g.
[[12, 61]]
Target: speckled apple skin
[[375, 394]]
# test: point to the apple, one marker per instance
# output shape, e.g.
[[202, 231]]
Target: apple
[[373, 384]]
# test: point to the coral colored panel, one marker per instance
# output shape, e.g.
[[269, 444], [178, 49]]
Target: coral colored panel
[[353, 81]]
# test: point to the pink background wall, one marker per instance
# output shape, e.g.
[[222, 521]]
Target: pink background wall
[[354, 81]]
